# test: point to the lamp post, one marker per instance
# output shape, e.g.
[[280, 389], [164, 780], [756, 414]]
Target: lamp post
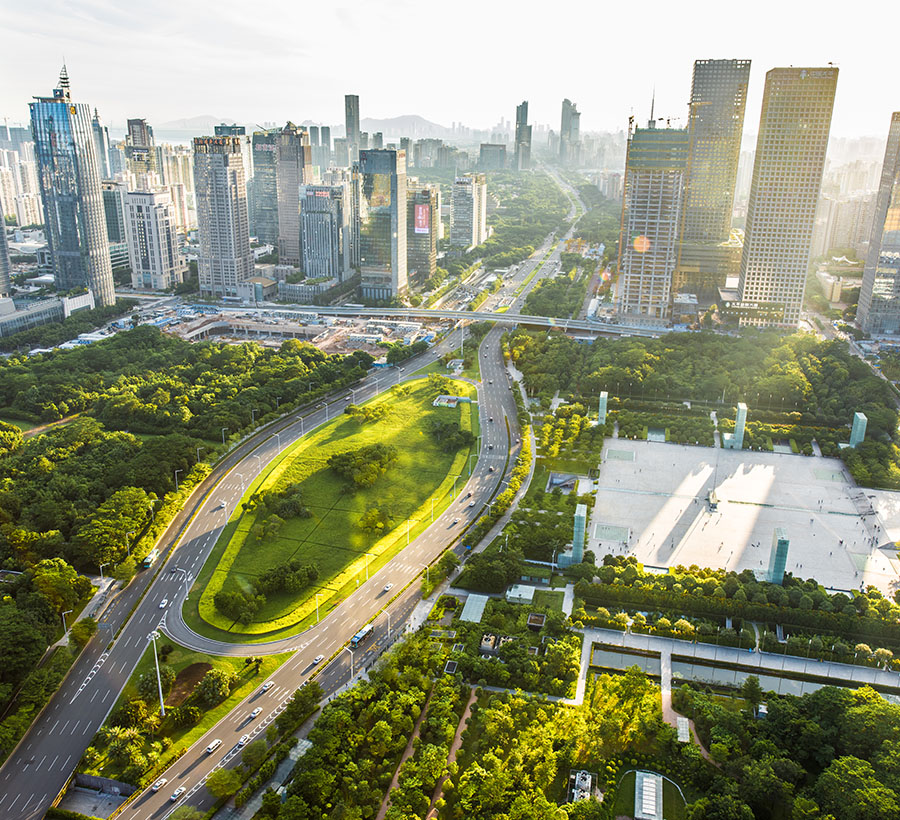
[[65, 625], [427, 574], [454, 486], [317, 607], [407, 532], [388, 613], [471, 456], [348, 649], [198, 454], [176, 479], [259, 462], [278, 436], [127, 542], [241, 477], [277, 401], [252, 416], [162, 706], [101, 569], [223, 434], [368, 556], [432, 509]]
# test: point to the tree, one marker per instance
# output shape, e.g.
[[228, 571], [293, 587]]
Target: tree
[[59, 583], [187, 813], [223, 783], [82, 631], [849, 789], [751, 691], [719, 807], [254, 754], [215, 686]]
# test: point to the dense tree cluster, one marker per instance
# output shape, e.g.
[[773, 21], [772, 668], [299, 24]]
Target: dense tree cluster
[[82, 321], [365, 465], [367, 412], [450, 436], [291, 576], [561, 296]]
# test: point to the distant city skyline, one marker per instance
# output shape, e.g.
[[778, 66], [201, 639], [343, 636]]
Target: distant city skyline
[[196, 70]]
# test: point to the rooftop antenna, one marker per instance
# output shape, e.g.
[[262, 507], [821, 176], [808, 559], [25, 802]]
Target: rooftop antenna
[[64, 76], [653, 103]]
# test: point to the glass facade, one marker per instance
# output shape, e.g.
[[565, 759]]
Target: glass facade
[[382, 223], [263, 189], [879, 297], [75, 221], [5, 264]]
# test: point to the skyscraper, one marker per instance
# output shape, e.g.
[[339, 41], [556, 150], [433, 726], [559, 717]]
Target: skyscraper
[[382, 223], [787, 175], [140, 152], [221, 193], [715, 124], [468, 211], [152, 237], [74, 221], [326, 232], [655, 166], [879, 297], [293, 168], [351, 123], [423, 219], [523, 137], [101, 145], [569, 134], [5, 263], [233, 130], [263, 188]]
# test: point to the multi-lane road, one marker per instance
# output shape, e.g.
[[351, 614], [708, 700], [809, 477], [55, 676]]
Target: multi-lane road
[[42, 762]]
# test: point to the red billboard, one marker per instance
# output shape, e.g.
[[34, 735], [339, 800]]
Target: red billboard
[[422, 219]]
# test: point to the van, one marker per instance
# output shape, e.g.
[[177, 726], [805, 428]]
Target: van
[[213, 746]]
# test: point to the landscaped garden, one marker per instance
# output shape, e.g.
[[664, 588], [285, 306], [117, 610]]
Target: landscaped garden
[[332, 508]]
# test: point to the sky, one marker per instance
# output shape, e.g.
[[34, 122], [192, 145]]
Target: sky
[[469, 61]]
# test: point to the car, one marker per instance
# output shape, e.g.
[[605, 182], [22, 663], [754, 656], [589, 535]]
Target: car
[[490, 469], [243, 740], [490, 446], [163, 603], [267, 686], [177, 793], [213, 746], [256, 712], [471, 503], [455, 520], [318, 659], [159, 784], [491, 418], [469, 494], [388, 587], [220, 505], [490, 381]]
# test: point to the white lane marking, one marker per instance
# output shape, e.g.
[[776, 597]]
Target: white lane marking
[[53, 762], [74, 727]]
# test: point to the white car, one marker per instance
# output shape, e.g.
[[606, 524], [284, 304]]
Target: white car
[[267, 686], [388, 587], [243, 740], [163, 603], [471, 503], [256, 711], [213, 746], [318, 659], [177, 793], [159, 784]]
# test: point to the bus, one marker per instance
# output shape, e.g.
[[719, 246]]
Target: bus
[[150, 560], [362, 636]]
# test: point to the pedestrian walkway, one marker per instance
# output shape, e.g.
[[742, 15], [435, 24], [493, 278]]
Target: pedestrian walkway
[[568, 600], [451, 756]]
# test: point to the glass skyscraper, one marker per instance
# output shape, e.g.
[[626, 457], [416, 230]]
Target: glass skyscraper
[[263, 188], [382, 223], [879, 297], [74, 219], [5, 263]]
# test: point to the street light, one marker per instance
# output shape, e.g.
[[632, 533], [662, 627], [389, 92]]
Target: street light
[[348, 649], [65, 625], [368, 556], [162, 706], [259, 461], [278, 436], [277, 401], [407, 532], [317, 607], [127, 542], [427, 574], [252, 416], [176, 479], [198, 454], [241, 477], [223, 434], [101, 569]]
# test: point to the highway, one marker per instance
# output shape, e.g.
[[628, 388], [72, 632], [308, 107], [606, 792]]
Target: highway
[[40, 765]]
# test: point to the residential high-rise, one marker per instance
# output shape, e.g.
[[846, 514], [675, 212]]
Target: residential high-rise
[[787, 176], [523, 137], [492, 156], [140, 151], [569, 134], [715, 125], [263, 188], [5, 262], [468, 211], [351, 123], [233, 130], [378, 140], [114, 211], [326, 231], [341, 152], [293, 168], [220, 189], [655, 166], [152, 237], [879, 296], [423, 220], [101, 145], [382, 223], [74, 222]]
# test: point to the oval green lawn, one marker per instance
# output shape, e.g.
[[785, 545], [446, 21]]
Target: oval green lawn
[[331, 537]]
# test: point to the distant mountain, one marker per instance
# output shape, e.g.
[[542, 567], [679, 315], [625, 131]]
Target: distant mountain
[[406, 125], [196, 125]]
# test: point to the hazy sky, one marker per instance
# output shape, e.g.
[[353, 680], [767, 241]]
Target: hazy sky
[[464, 60]]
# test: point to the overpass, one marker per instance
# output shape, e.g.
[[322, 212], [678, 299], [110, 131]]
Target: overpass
[[581, 326]]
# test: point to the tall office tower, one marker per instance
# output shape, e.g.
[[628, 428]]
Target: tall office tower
[[101, 145], [5, 263], [468, 211], [378, 140], [715, 124], [787, 175], [74, 222], [220, 189], [233, 130], [406, 145], [140, 152], [152, 237], [341, 153], [326, 138], [293, 168], [351, 125], [879, 297], [363, 141], [114, 209], [423, 219], [382, 223], [326, 231], [655, 165], [492, 156], [263, 188], [523, 137], [569, 133], [314, 136]]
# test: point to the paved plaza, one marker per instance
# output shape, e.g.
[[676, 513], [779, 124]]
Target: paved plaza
[[651, 503]]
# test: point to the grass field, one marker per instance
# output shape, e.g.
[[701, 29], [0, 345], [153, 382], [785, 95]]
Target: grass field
[[440, 368], [182, 738], [551, 599], [331, 537], [24, 426]]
